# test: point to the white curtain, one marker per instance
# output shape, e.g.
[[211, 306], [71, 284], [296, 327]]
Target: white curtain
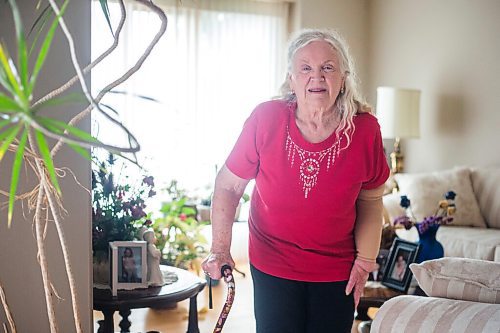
[[216, 62]]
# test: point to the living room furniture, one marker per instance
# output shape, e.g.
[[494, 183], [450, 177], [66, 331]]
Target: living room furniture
[[464, 296], [374, 295], [188, 285], [475, 231]]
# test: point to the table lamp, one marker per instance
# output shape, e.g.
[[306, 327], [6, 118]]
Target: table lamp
[[398, 116]]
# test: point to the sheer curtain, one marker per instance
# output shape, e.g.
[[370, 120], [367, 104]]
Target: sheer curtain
[[216, 62]]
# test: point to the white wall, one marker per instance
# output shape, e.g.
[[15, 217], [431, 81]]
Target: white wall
[[20, 273]]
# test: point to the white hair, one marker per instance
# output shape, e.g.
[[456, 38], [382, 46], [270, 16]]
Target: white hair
[[350, 101]]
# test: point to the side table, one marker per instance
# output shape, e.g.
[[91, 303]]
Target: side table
[[374, 295], [187, 286]]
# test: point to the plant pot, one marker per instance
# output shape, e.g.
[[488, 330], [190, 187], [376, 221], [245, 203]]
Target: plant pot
[[101, 269], [430, 247], [203, 212]]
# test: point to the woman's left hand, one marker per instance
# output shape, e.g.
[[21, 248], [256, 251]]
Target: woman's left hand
[[357, 280]]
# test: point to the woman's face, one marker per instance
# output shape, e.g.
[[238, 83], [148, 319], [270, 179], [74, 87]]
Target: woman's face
[[316, 78]]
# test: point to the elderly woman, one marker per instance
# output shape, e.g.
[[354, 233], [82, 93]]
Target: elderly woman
[[315, 220]]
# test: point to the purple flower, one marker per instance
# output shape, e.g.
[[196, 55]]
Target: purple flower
[[404, 221], [149, 180], [137, 212], [405, 202]]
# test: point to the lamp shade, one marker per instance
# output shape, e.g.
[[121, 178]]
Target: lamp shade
[[398, 112]]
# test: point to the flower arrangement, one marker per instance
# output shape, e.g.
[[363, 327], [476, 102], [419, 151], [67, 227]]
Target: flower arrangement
[[117, 209], [443, 215]]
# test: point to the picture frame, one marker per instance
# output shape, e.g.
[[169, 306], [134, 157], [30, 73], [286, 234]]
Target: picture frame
[[397, 274], [128, 265]]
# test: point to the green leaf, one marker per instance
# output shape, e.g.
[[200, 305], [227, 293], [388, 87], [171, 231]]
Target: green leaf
[[16, 170], [8, 105], [7, 137], [22, 51], [45, 47], [4, 123], [49, 164], [81, 134], [4, 81], [80, 150], [9, 80], [43, 18], [105, 11]]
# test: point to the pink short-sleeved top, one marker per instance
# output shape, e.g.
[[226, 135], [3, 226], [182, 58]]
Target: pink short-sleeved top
[[302, 211]]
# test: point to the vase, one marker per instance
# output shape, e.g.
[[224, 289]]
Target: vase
[[430, 247], [100, 268]]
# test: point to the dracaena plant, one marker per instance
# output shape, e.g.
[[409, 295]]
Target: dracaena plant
[[24, 130]]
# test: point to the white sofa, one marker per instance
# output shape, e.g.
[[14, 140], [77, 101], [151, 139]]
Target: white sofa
[[475, 231], [464, 296]]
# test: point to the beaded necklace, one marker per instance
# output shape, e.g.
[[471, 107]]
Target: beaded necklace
[[310, 161]]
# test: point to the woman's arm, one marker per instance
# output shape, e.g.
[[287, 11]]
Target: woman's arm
[[367, 233], [227, 193], [369, 222]]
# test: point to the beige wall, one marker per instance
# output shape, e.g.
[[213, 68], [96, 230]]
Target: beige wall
[[20, 273], [349, 18], [449, 49]]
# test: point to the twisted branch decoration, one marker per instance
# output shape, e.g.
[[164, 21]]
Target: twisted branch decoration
[[7, 312], [46, 194]]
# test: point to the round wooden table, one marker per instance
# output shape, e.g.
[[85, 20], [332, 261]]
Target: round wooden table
[[187, 286]]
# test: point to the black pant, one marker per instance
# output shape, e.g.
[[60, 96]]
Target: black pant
[[288, 306]]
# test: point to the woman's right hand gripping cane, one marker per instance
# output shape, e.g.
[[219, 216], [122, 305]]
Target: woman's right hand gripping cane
[[213, 263]]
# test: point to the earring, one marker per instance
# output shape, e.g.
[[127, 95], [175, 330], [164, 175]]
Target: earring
[[342, 90]]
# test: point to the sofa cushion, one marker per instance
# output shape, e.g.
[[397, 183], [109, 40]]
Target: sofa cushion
[[486, 186], [413, 314], [426, 189], [467, 242], [459, 278]]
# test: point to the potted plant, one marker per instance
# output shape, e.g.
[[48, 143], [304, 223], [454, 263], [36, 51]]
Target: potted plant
[[206, 202], [118, 212], [24, 132], [179, 234]]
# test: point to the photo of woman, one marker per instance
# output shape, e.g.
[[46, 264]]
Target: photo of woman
[[399, 269]]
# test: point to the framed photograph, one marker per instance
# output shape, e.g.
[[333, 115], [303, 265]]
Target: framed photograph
[[128, 263], [397, 274]]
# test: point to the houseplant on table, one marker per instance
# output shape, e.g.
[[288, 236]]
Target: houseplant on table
[[118, 212], [178, 232], [206, 202]]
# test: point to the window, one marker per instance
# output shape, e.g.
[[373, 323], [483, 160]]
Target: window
[[216, 62]]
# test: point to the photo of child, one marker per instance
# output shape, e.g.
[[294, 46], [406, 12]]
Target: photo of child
[[130, 265]]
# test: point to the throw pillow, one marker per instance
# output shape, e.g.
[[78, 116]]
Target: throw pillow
[[426, 189], [459, 278], [485, 184]]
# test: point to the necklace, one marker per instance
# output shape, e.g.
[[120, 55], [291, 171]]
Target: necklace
[[310, 161]]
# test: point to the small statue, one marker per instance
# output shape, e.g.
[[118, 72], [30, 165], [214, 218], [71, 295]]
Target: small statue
[[155, 276]]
